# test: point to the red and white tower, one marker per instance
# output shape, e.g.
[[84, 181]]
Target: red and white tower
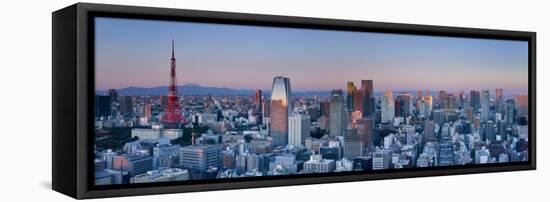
[[172, 115]]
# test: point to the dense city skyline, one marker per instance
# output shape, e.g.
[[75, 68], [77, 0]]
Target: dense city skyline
[[209, 52], [175, 136]]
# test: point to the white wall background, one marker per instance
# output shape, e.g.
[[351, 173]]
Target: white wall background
[[25, 102]]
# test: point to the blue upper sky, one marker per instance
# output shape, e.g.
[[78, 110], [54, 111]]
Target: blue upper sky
[[137, 52]]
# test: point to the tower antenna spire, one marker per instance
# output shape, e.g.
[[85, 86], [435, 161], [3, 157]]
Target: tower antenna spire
[[172, 48]]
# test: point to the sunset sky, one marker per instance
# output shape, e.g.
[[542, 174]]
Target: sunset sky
[[137, 53]]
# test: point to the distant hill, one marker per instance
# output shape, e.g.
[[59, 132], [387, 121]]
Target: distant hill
[[194, 89]]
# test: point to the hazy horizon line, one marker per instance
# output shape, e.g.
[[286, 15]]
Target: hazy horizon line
[[523, 91]]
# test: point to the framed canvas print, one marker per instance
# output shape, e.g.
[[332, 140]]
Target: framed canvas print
[[155, 100]]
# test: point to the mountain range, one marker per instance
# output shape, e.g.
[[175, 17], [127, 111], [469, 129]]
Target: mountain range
[[195, 89]]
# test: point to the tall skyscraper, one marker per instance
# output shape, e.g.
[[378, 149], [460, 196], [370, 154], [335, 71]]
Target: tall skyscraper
[[126, 105], [102, 106], [438, 116], [475, 97], [397, 104], [280, 108], [522, 104], [367, 87], [258, 100], [353, 143], [358, 101], [499, 100], [510, 111], [441, 99], [351, 89], [388, 108], [404, 104], [337, 113], [485, 105], [172, 115], [299, 127], [449, 102], [461, 99], [258, 104], [364, 128], [426, 106], [446, 156]]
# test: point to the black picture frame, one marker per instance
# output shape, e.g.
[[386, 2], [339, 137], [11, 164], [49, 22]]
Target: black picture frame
[[73, 90]]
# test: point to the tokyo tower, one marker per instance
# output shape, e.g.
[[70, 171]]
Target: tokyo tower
[[172, 116]]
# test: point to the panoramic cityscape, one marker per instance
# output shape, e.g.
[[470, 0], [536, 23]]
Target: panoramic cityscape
[[158, 131]]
